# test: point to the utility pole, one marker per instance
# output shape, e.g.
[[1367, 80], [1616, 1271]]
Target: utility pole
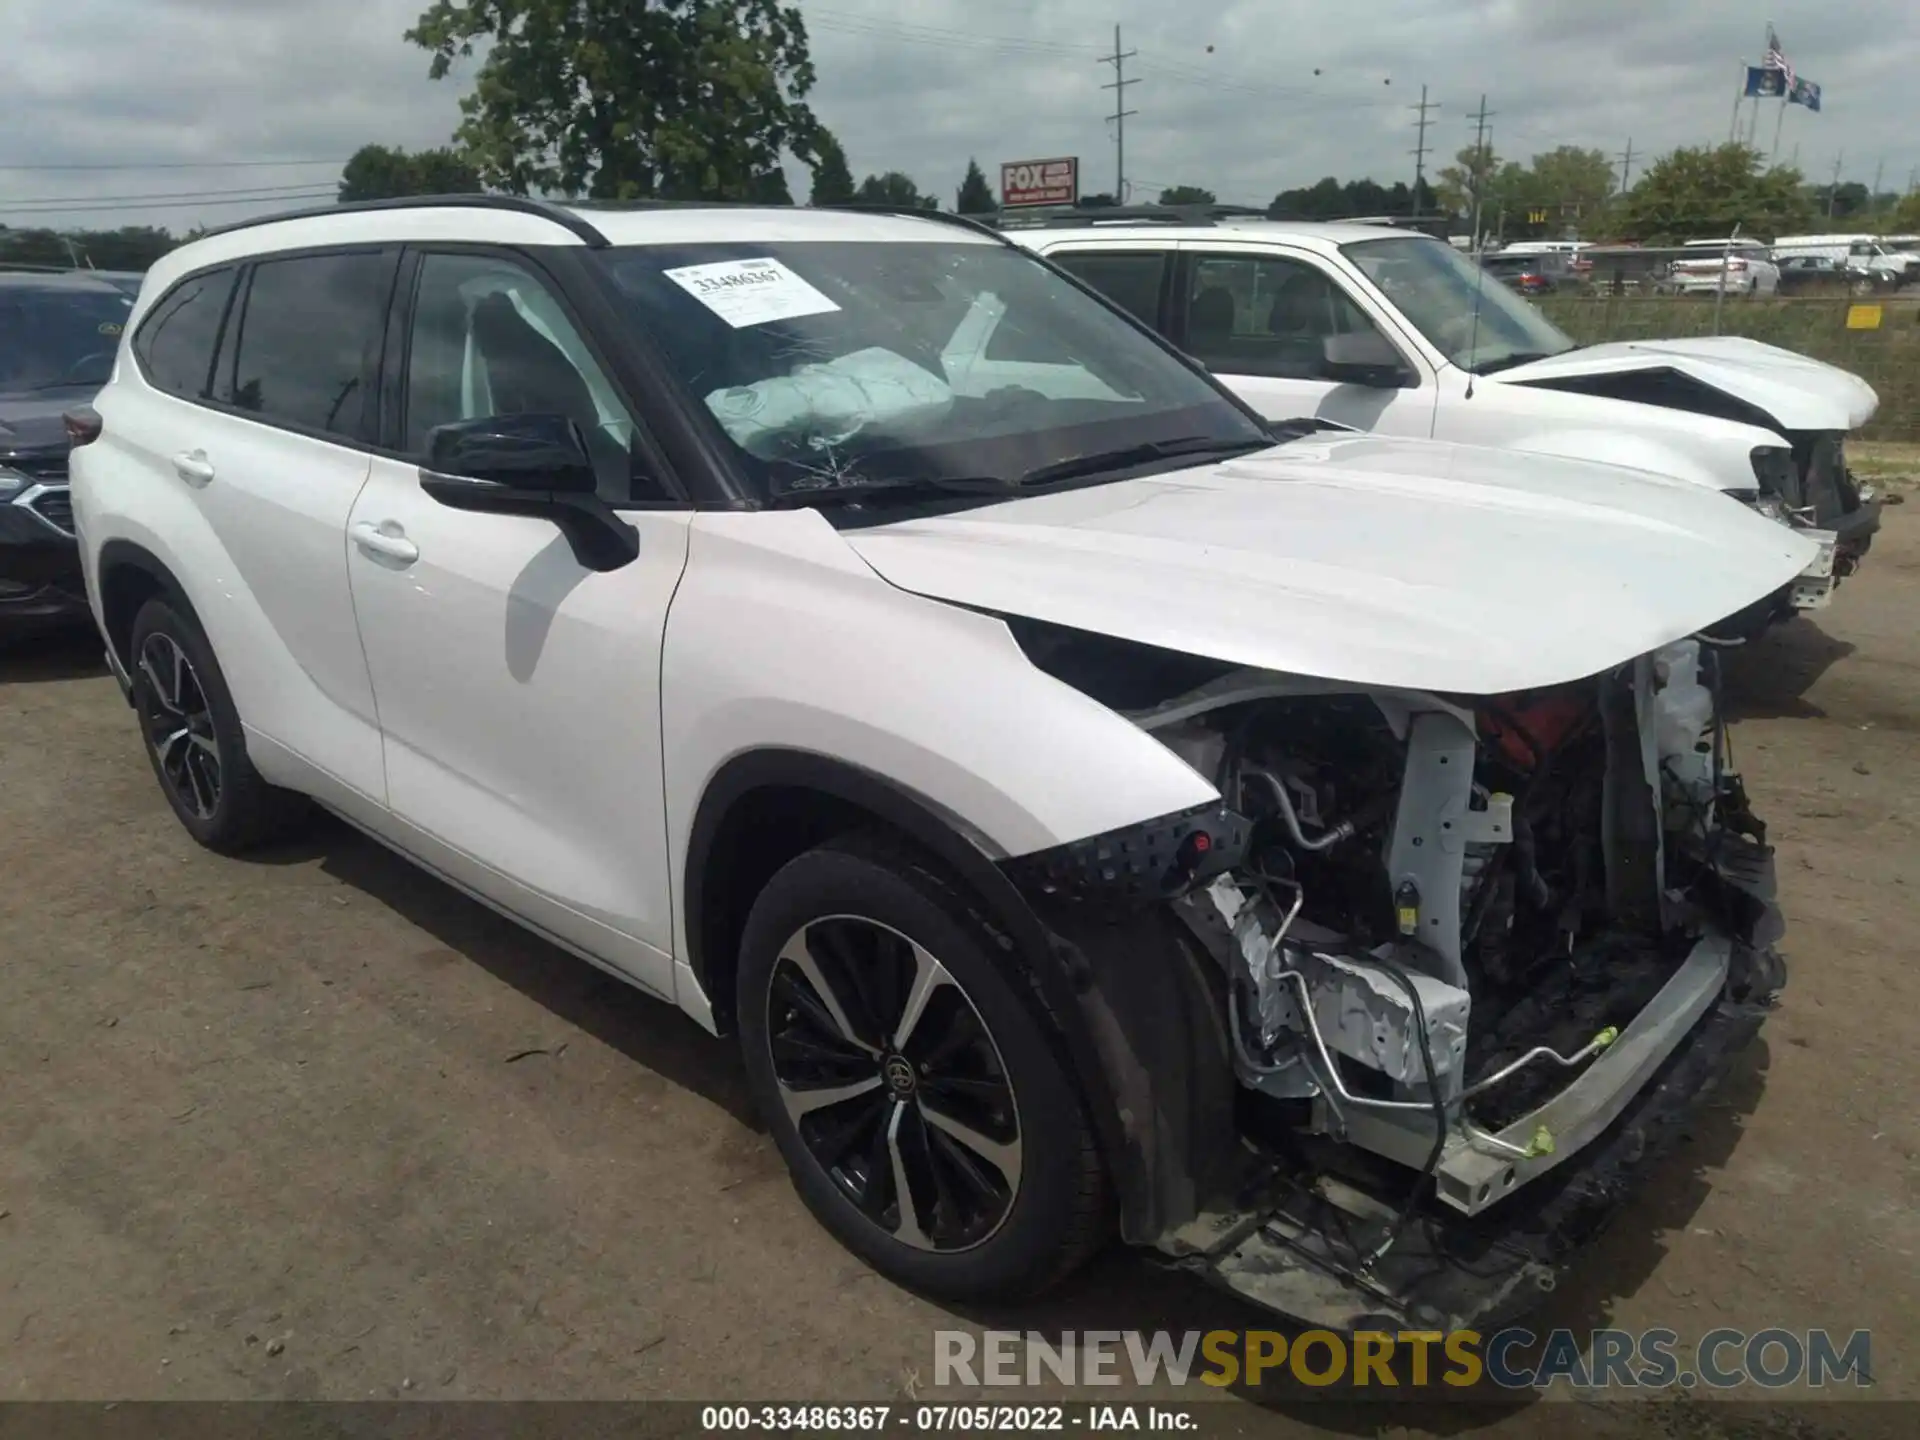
[[1873, 195], [1626, 164], [1420, 149], [1833, 188], [1118, 119], [1481, 156]]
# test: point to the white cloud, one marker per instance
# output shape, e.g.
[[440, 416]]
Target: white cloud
[[921, 85]]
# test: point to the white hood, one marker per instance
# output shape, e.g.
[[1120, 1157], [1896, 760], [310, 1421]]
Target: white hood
[[1797, 392], [1376, 561]]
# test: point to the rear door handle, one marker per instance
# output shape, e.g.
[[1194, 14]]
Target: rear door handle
[[193, 467], [375, 541]]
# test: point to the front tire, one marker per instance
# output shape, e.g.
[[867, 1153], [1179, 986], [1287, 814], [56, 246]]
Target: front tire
[[906, 1073], [194, 739]]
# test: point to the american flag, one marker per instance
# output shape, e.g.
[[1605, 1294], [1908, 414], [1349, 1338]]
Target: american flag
[[1776, 59]]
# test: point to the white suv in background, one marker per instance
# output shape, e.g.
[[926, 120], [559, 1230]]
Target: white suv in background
[[849, 629], [1397, 333]]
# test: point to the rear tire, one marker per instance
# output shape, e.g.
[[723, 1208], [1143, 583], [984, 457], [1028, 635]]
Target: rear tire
[[194, 738], [863, 974]]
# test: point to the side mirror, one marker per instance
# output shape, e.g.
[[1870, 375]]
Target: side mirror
[[528, 452], [1362, 358], [532, 465]]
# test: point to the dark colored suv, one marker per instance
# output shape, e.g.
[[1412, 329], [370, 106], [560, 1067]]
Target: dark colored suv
[[58, 337]]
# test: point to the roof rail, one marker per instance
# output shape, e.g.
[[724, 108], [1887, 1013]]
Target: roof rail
[[561, 215], [943, 217], [1132, 215]]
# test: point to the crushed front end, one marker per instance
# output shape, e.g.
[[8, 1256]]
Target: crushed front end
[[1452, 971]]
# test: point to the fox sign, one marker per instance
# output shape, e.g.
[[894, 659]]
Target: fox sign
[[1039, 182]]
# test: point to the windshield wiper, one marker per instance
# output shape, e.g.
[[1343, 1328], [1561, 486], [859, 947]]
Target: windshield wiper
[[854, 490], [1078, 466]]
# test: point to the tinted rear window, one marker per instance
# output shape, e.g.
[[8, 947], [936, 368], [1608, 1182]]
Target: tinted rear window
[[306, 338], [176, 340]]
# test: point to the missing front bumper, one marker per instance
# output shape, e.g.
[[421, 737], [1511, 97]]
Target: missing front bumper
[[1299, 1244]]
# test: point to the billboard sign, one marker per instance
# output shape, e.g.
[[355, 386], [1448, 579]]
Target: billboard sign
[[1039, 182]]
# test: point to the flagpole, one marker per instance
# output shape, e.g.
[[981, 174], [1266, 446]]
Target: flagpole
[[1778, 121], [1739, 94]]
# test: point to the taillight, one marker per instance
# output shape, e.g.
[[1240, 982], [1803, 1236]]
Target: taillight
[[83, 425], [1737, 265]]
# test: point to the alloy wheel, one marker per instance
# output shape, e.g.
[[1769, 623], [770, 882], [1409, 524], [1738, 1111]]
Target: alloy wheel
[[894, 1083], [179, 726]]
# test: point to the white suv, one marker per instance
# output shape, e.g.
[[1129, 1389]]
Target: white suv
[[1395, 332], [849, 628]]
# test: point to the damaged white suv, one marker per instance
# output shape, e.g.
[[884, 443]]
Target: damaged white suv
[[1397, 333], [1316, 859]]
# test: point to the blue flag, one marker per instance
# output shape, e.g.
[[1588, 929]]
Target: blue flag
[[1768, 83], [1806, 93]]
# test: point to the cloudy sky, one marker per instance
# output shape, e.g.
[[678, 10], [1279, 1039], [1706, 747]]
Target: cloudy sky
[[174, 112]]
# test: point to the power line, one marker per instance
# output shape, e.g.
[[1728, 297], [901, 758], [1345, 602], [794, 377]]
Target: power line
[[1120, 113], [1626, 164], [1420, 149], [6, 204], [181, 165], [122, 207]]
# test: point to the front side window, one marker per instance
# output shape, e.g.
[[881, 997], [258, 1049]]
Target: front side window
[[836, 364], [1465, 313], [1266, 315], [489, 338], [55, 336], [305, 338]]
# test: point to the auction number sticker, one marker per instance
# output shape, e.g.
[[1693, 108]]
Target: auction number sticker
[[750, 292]]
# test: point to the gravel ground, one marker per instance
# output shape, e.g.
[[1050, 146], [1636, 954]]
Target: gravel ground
[[313, 1125]]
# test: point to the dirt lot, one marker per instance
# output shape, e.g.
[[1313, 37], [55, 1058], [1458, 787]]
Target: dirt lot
[[316, 1126]]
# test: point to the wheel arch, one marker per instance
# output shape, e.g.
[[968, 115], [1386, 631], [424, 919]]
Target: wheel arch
[[732, 852], [129, 576]]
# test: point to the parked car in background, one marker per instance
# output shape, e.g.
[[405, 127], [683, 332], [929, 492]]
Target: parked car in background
[[125, 281], [1819, 275], [1889, 261], [1401, 334], [1530, 274], [853, 631], [1733, 267], [58, 336]]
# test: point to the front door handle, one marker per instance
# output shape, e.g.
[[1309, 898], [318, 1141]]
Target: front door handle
[[376, 541], [193, 467]]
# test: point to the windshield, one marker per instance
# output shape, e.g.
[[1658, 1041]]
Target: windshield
[[1437, 289], [840, 364], [52, 336]]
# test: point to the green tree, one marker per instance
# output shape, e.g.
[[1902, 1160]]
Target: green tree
[[832, 181], [1904, 219], [770, 189], [894, 188], [1471, 170], [1186, 195], [1702, 193], [377, 172], [1095, 202], [621, 100], [132, 247], [975, 196]]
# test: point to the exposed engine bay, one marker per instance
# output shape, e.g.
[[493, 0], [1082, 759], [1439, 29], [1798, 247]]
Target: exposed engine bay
[[1457, 939]]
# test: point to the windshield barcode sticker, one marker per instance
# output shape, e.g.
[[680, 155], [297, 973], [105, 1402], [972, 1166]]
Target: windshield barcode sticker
[[750, 292]]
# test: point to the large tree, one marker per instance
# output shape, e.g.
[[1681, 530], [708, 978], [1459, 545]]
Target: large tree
[[132, 247], [1186, 195], [623, 100], [894, 188], [832, 181], [975, 196], [378, 172], [1703, 193]]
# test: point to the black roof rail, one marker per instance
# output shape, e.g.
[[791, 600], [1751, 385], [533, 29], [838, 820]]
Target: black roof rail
[[1201, 215], [915, 212], [561, 215]]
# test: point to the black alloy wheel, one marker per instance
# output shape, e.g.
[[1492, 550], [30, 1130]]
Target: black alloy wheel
[[893, 1082]]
